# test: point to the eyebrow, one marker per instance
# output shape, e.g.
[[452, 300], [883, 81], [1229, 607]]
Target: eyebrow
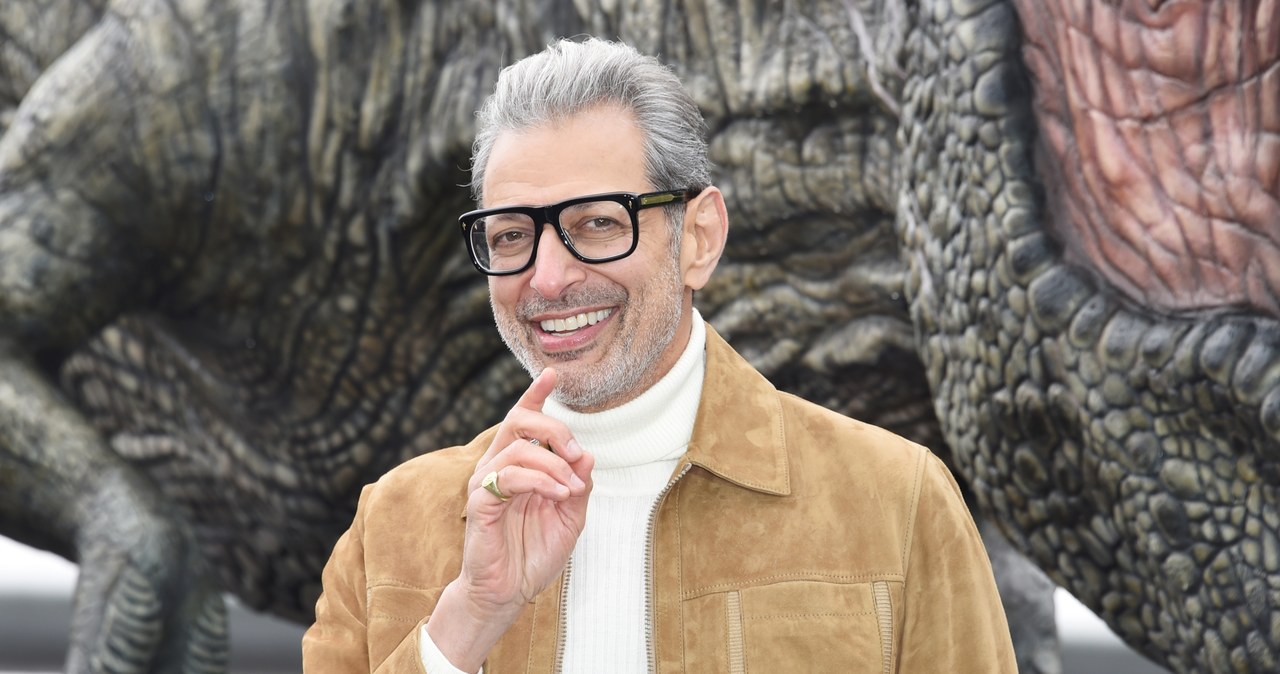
[[506, 215]]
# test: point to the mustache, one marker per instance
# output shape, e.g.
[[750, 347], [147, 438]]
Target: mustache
[[579, 297]]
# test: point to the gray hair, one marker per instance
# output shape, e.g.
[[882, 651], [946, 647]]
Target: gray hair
[[570, 77]]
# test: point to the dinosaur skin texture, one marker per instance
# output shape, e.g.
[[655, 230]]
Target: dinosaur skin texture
[[1041, 239], [1117, 412]]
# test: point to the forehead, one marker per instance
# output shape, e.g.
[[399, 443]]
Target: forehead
[[598, 150]]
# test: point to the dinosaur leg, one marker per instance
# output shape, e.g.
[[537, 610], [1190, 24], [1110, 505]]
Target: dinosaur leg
[[143, 602], [76, 198]]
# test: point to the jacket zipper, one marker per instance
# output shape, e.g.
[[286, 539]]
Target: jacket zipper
[[648, 569], [561, 631], [648, 585]]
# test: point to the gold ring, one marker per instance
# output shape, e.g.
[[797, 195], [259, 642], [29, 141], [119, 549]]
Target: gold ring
[[490, 484]]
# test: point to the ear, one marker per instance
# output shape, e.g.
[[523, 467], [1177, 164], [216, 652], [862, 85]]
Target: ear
[[706, 227]]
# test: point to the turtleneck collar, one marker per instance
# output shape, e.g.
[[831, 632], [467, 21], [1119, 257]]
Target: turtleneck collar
[[655, 426]]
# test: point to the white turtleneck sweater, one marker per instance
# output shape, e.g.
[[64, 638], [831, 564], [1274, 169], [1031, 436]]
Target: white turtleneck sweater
[[637, 447]]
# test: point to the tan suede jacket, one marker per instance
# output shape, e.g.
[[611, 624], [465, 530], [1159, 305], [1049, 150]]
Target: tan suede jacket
[[791, 539]]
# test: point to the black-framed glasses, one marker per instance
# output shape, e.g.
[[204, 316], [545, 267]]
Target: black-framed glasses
[[595, 228]]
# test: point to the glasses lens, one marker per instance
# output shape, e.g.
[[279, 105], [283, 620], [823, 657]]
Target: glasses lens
[[598, 229], [503, 241]]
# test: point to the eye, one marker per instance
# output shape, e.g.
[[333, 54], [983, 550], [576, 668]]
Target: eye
[[598, 228], [508, 237], [506, 234], [596, 221], [601, 222]]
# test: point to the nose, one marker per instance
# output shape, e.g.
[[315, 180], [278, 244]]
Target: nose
[[555, 268]]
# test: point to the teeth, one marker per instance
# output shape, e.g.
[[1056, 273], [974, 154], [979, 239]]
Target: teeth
[[574, 322]]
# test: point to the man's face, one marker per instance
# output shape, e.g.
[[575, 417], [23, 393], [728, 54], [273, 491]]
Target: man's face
[[626, 322]]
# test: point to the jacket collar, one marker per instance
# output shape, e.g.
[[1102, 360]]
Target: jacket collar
[[738, 434]]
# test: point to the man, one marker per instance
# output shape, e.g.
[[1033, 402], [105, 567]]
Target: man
[[730, 526]]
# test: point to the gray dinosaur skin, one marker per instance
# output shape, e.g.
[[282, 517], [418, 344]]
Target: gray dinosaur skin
[[232, 292]]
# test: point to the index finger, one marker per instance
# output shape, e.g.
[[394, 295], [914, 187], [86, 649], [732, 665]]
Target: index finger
[[531, 400], [539, 390]]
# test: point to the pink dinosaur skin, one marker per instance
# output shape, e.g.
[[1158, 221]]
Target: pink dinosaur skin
[[1164, 123]]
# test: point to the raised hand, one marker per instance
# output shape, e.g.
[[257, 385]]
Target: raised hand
[[516, 547]]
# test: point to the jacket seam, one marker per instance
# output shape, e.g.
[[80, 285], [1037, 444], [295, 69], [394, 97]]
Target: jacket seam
[[358, 529], [915, 506], [394, 618], [767, 580], [392, 582], [533, 633], [782, 462], [815, 614]]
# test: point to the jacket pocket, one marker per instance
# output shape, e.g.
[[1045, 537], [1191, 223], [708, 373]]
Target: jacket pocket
[[807, 626]]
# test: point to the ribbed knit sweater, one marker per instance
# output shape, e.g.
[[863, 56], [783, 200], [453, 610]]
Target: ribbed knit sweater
[[637, 447]]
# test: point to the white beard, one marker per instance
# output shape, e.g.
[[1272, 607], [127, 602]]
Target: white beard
[[645, 329]]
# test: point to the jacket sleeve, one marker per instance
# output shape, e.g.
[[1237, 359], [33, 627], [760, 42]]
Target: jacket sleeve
[[953, 620], [338, 640]]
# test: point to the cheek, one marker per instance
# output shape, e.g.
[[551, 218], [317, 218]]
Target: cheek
[[504, 292]]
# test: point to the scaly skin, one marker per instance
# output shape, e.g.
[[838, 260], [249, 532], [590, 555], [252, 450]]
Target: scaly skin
[[1128, 448]]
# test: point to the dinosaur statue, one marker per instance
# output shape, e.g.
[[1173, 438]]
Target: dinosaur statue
[[1040, 237], [1089, 210]]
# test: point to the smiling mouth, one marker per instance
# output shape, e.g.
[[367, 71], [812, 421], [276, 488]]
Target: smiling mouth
[[564, 326]]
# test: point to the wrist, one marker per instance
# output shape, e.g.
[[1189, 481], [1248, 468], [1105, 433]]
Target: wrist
[[465, 630]]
